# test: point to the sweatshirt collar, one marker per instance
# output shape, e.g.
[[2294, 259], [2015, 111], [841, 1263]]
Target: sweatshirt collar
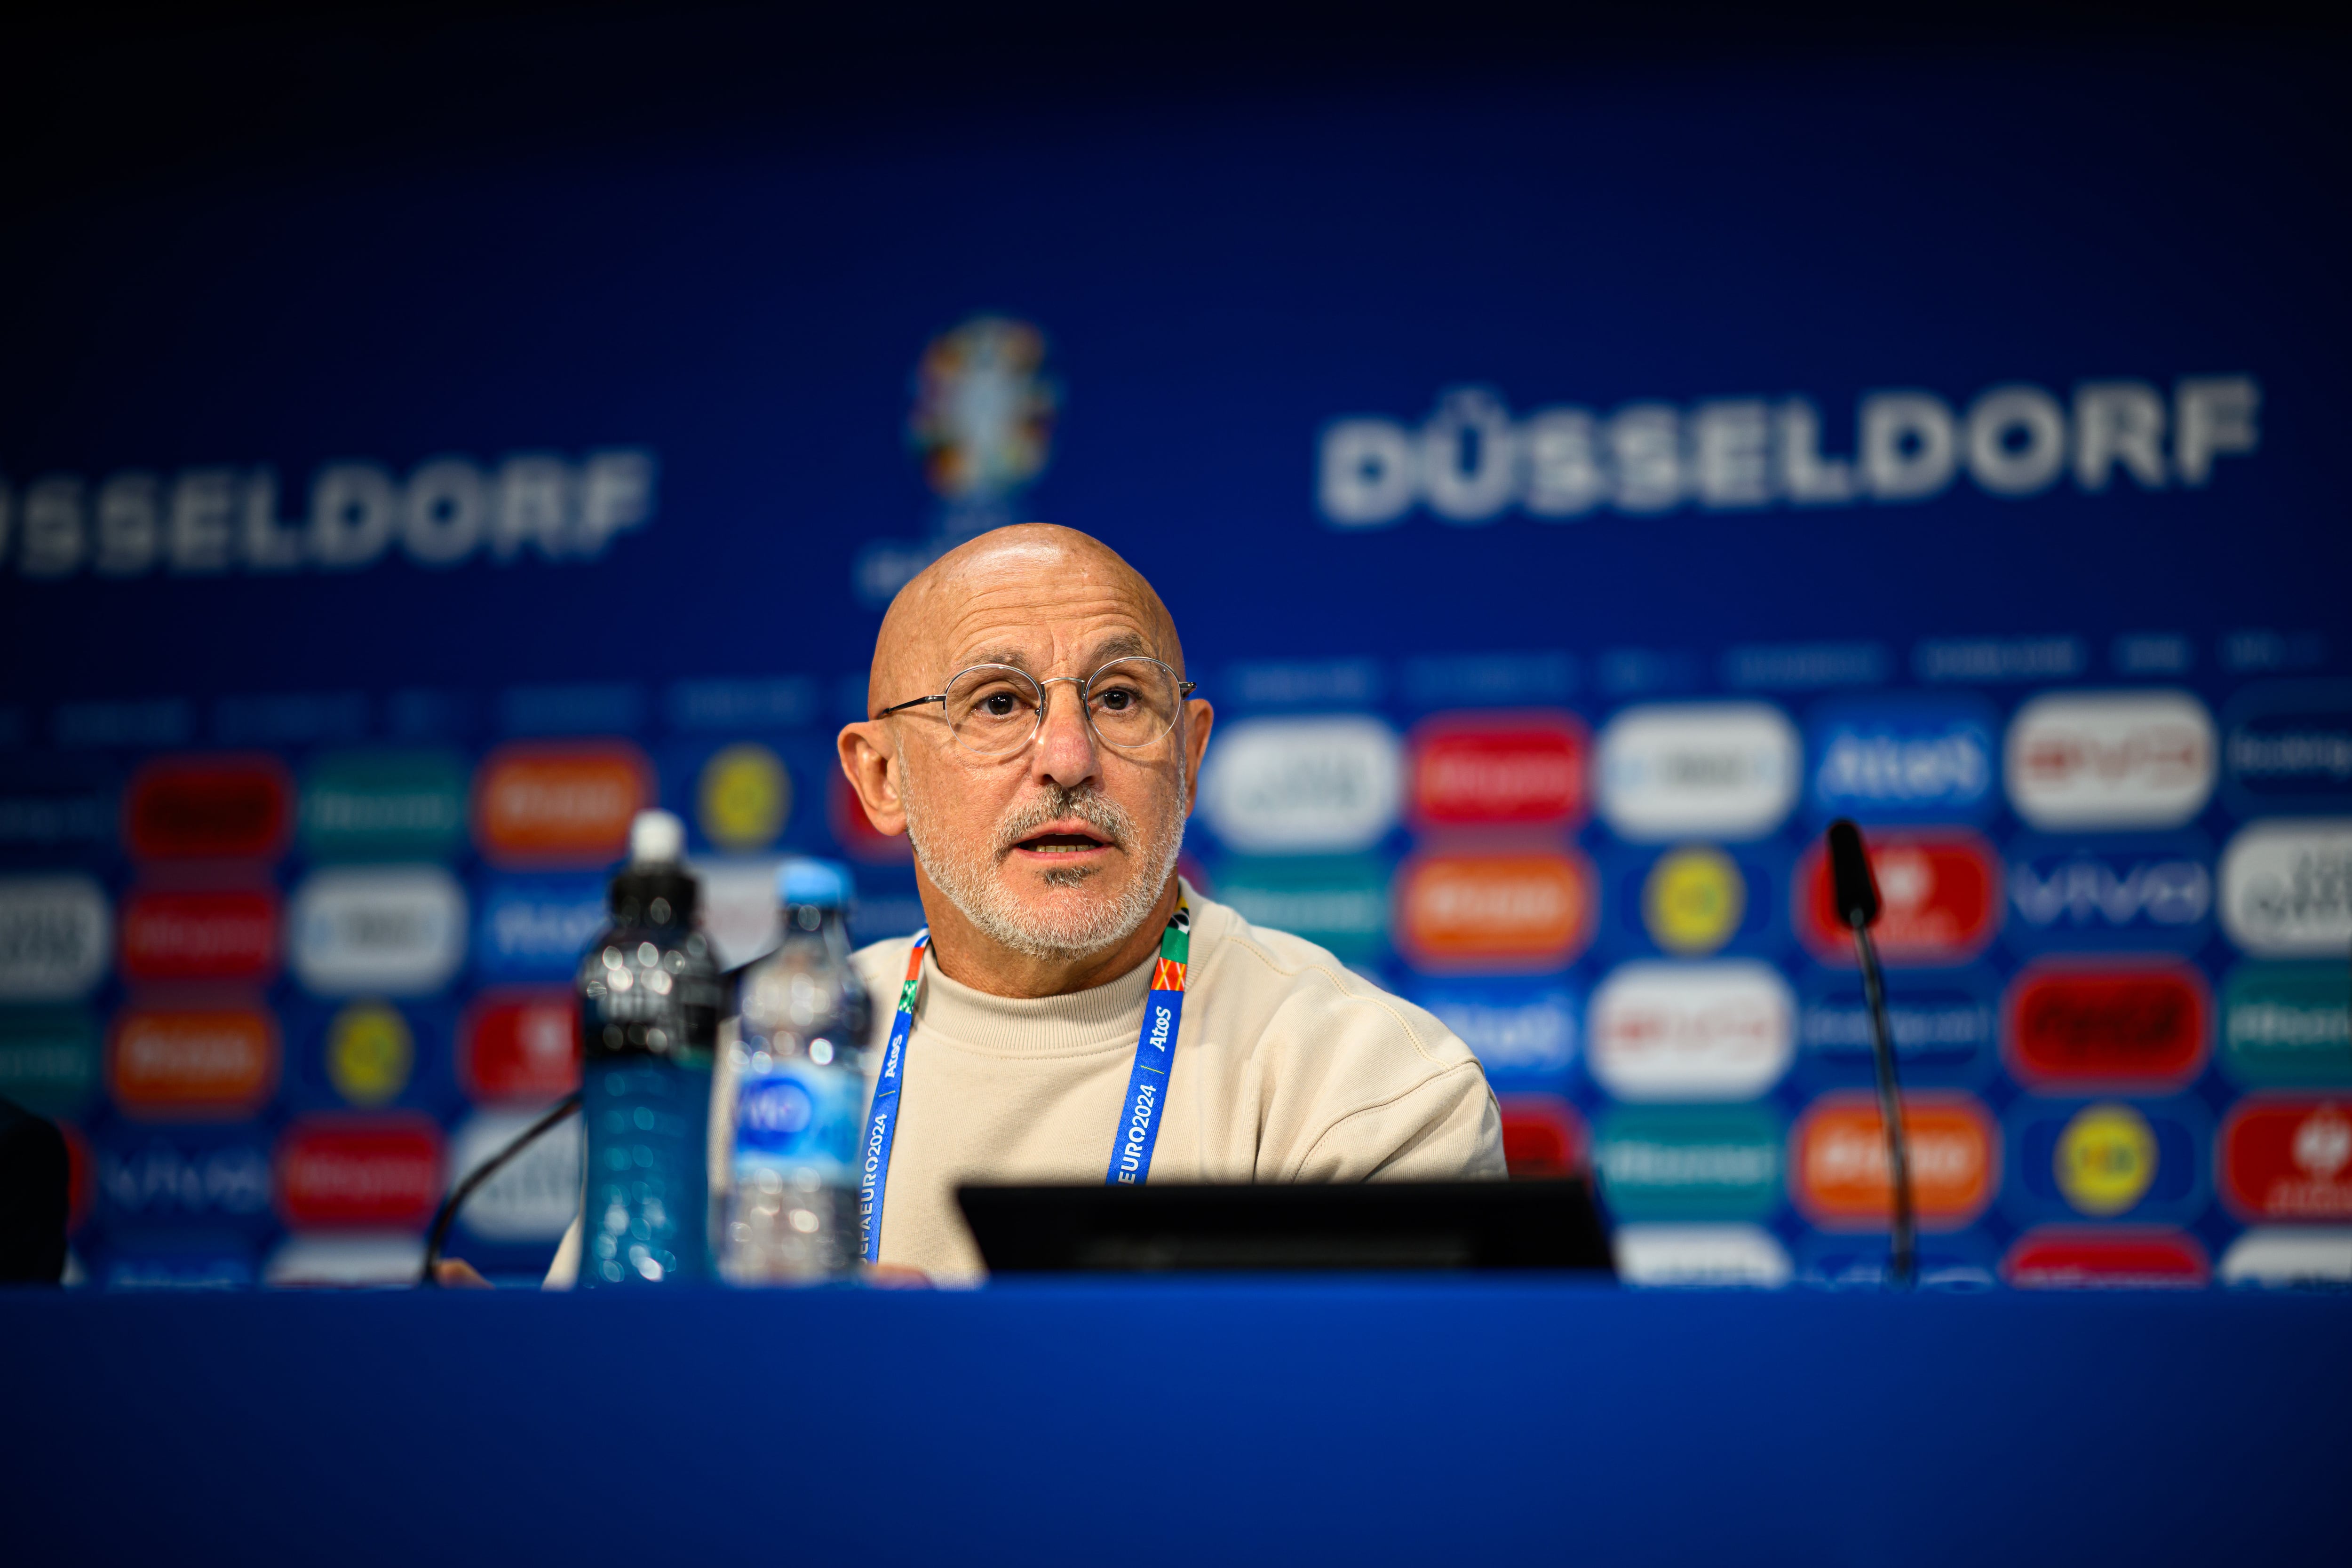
[[1104, 1017]]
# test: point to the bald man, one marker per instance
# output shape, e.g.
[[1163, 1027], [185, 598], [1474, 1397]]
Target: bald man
[[1032, 732]]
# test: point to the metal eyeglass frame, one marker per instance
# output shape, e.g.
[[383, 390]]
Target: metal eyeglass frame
[[1184, 689]]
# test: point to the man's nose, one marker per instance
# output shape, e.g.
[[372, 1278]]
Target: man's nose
[[1065, 742]]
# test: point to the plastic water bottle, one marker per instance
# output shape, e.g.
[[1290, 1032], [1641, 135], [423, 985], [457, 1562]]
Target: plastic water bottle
[[649, 997], [797, 1064]]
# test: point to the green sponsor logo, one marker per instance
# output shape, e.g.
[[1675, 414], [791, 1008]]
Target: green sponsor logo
[[49, 1058], [1336, 901], [1690, 1163], [385, 805], [2287, 1023]]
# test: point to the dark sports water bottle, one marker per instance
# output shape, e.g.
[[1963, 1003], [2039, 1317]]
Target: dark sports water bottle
[[650, 1005]]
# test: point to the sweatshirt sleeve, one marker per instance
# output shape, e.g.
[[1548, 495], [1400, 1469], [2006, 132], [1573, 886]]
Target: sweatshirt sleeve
[[1445, 1128], [564, 1272]]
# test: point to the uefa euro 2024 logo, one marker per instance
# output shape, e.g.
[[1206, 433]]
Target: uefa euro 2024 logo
[[983, 427]]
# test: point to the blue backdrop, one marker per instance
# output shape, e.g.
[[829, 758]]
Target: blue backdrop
[[1572, 492]]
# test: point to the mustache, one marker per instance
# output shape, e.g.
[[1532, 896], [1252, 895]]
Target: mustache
[[1057, 805]]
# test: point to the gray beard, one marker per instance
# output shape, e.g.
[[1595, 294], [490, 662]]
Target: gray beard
[[968, 875]]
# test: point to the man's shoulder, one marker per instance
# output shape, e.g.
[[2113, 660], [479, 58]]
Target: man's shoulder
[[1286, 990]]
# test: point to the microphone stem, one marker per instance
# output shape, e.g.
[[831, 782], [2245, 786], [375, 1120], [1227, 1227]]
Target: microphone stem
[[439, 1237], [1902, 1263]]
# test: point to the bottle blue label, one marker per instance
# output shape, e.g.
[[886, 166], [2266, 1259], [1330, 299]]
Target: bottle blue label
[[800, 1116]]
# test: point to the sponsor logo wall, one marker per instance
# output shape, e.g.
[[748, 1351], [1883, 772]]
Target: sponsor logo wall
[[293, 993], [2117, 928], [286, 952], [281, 1000]]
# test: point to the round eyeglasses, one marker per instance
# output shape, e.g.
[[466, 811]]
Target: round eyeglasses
[[994, 710]]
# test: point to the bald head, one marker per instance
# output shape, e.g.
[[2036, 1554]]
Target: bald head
[[1046, 862], [995, 595]]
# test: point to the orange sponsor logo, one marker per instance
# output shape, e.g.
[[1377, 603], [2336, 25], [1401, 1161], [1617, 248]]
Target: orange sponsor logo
[[559, 805], [1494, 912], [1838, 1163], [191, 1061]]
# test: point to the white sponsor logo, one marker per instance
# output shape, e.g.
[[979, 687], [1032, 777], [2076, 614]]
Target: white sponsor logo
[[1471, 460], [2323, 1144], [329, 1261], [2110, 760], [1303, 785], [397, 930], [738, 910], [1721, 1029], [2287, 888], [535, 1194], [1700, 1255], [2276, 1256], [54, 936], [1725, 770]]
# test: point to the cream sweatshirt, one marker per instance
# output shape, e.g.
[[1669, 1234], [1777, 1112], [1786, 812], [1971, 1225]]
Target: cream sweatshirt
[[1288, 1067]]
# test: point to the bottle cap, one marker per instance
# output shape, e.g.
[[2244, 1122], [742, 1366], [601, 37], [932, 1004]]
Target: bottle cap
[[822, 885], [656, 838]]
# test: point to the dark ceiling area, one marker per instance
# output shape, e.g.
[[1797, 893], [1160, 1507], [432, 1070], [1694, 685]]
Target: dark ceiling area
[[102, 98]]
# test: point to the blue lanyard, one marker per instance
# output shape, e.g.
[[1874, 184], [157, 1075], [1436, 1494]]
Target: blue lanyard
[[1139, 1116]]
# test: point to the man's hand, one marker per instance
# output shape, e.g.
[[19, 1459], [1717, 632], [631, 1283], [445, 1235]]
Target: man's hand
[[456, 1274], [894, 1276]]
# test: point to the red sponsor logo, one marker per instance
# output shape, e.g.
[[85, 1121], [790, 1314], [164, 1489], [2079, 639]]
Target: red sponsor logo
[[2075, 1026], [857, 836], [2125, 1257], [1838, 1163], [377, 1171], [521, 1045], [1542, 1136], [204, 1062], [1497, 913], [80, 1177], [560, 804], [1938, 891], [224, 935], [2288, 1159], [1500, 770], [213, 808]]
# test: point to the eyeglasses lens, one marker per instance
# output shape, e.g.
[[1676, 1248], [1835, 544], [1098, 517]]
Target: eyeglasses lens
[[993, 709], [1133, 703]]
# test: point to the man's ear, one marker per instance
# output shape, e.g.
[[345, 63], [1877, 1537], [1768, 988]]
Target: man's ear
[[866, 755], [1199, 718]]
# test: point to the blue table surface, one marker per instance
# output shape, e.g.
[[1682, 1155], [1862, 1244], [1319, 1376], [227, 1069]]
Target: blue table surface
[[1235, 1422]]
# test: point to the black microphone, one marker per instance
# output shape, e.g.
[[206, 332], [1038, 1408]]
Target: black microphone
[[1857, 906]]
